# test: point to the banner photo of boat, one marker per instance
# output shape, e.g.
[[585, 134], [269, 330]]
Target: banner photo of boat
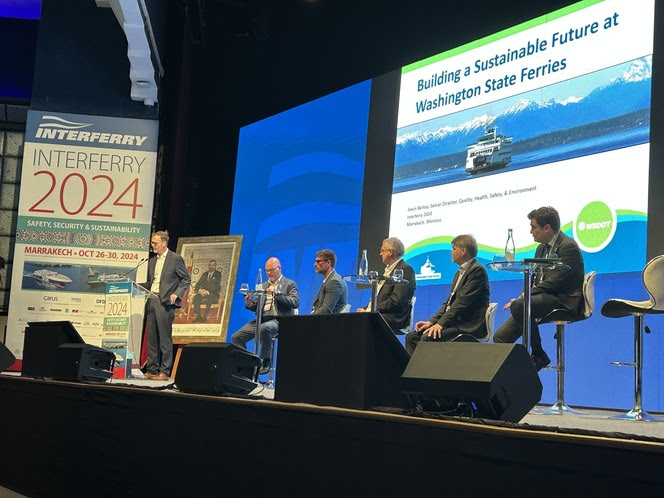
[[48, 276], [98, 276], [71, 278]]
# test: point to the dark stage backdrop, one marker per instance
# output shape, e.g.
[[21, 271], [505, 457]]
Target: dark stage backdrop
[[321, 176]]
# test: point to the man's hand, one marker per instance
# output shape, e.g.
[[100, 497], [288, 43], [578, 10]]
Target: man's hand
[[174, 298], [507, 305], [435, 331], [361, 310], [248, 300], [420, 326]]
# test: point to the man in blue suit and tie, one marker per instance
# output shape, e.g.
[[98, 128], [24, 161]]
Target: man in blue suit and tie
[[168, 278]]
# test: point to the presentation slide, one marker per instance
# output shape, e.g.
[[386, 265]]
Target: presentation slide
[[553, 112]]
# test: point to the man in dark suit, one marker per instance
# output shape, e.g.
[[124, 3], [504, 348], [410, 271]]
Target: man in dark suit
[[464, 310], [168, 278], [282, 299], [332, 296], [552, 289], [393, 301], [207, 291]]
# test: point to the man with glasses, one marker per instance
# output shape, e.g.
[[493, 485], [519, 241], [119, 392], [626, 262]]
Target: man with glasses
[[281, 300], [332, 296], [393, 301]]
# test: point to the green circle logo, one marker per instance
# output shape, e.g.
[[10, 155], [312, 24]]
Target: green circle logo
[[595, 226]]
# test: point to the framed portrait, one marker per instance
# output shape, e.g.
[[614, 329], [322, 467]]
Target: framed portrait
[[212, 262]]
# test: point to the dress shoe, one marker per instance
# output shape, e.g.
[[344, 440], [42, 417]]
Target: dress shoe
[[161, 376], [265, 367], [151, 376], [540, 361]]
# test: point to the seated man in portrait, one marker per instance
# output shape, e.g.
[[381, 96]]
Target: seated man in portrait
[[207, 290], [393, 301], [282, 299], [464, 310]]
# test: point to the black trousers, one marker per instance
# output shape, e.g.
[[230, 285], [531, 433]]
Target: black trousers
[[512, 329]]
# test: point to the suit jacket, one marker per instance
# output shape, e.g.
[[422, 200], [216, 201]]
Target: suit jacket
[[332, 296], [393, 301], [175, 278], [567, 286], [284, 302], [467, 304], [212, 285]]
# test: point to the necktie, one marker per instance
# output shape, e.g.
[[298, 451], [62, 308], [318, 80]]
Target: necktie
[[540, 273], [455, 280]]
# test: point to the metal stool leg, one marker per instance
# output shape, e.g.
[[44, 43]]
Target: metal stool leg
[[638, 413], [560, 406], [270, 378]]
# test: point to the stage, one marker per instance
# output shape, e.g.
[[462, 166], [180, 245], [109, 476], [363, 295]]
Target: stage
[[144, 438]]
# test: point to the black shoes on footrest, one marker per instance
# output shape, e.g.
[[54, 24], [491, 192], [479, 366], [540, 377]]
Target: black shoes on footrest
[[265, 366], [540, 361]]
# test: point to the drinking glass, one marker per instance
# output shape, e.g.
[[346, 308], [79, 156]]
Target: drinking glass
[[397, 275], [244, 288]]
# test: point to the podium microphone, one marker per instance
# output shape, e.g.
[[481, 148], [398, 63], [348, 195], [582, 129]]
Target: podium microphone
[[135, 267]]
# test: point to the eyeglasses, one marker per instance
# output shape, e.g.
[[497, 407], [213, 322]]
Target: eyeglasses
[[270, 270], [319, 261], [384, 250]]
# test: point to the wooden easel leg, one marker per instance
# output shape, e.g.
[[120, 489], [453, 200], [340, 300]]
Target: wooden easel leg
[[176, 363]]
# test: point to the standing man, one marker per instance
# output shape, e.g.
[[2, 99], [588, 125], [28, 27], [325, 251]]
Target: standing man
[[393, 301], [282, 299], [168, 278], [553, 289], [464, 310], [207, 291], [332, 296]]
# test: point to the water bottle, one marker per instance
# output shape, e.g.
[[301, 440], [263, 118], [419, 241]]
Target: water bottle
[[364, 264], [259, 280], [510, 251]]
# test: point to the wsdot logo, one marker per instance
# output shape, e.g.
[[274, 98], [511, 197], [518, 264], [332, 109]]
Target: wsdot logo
[[595, 226]]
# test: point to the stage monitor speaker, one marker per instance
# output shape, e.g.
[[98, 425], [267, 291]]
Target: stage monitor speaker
[[83, 363], [7, 359], [498, 381], [216, 368], [351, 360], [40, 344]]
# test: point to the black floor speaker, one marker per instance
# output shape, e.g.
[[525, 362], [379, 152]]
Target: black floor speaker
[[83, 363], [494, 381], [7, 359], [216, 368], [40, 345]]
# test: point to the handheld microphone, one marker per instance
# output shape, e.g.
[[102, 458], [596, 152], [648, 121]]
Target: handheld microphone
[[135, 267]]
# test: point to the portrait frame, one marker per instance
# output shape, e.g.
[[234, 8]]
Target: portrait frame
[[198, 254]]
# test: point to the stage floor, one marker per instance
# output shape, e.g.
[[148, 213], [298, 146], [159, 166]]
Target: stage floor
[[108, 428], [593, 421]]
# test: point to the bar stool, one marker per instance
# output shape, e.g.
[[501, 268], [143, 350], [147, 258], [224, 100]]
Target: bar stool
[[271, 368], [653, 281], [489, 320], [562, 317], [407, 328]]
